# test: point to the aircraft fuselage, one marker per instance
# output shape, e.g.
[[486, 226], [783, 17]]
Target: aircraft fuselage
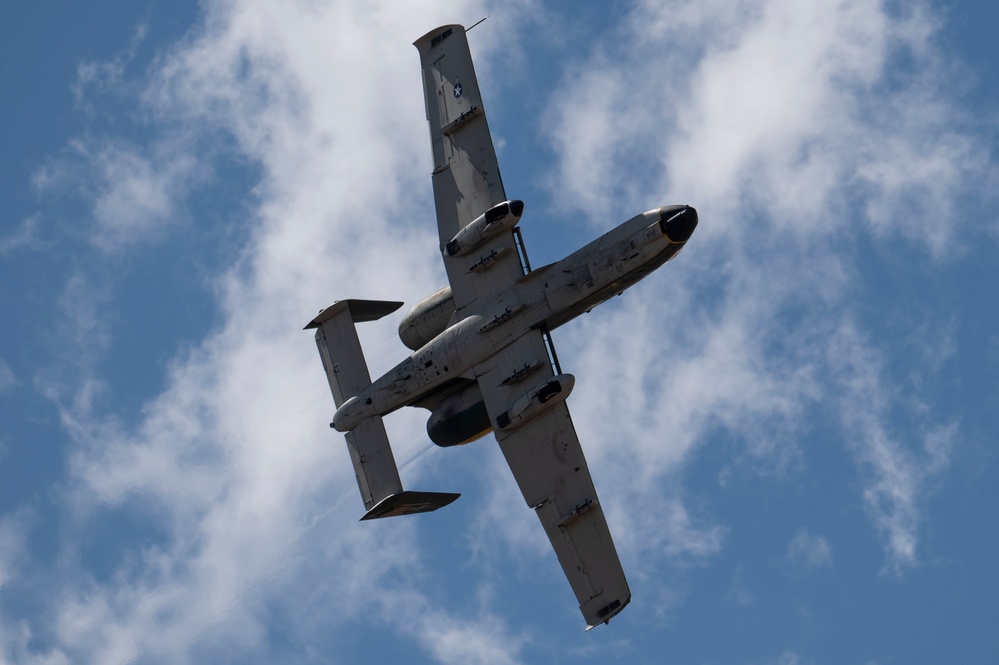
[[545, 298]]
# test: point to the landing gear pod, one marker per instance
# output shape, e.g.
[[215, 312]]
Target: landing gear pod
[[536, 400], [501, 217]]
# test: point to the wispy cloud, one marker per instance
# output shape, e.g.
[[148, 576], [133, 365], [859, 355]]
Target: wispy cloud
[[137, 195], [14, 528], [898, 474], [809, 550], [753, 112], [7, 377], [791, 658], [232, 466], [738, 591], [25, 236], [793, 128], [800, 112], [99, 77]]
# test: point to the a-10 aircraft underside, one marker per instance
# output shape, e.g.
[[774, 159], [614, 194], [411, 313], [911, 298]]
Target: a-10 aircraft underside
[[482, 357]]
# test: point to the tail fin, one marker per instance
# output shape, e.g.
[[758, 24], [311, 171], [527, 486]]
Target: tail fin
[[370, 452], [339, 347]]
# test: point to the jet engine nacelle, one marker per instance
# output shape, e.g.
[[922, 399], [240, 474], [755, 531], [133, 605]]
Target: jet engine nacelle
[[536, 400], [501, 217], [427, 319], [459, 418]]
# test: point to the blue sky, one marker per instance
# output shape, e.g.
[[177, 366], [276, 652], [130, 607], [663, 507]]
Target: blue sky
[[792, 427]]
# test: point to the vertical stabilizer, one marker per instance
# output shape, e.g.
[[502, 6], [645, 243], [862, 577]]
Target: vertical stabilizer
[[339, 346], [347, 373]]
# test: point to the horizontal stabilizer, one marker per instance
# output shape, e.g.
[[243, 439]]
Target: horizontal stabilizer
[[360, 311], [408, 503]]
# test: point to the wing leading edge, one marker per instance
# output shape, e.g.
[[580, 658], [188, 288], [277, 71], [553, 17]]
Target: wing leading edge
[[548, 464]]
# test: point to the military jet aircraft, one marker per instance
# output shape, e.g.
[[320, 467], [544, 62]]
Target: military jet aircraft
[[483, 358]]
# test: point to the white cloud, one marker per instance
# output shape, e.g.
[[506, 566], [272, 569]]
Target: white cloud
[[107, 76], [738, 593], [755, 108], [136, 195], [16, 647], [790, 658], [26, 235], [794, 110], [14, 528], [791, 128], [233, 462], [456, 640], [7, 377], [897, 475], [808, 550]]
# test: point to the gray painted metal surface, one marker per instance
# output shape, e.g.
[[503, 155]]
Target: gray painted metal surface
[[488, 330]]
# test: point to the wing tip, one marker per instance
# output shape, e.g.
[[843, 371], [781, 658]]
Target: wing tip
[[608, 612], [409, 503], [437, 35]]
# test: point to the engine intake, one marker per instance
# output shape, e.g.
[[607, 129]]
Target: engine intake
[[501, 217], [543, 396]]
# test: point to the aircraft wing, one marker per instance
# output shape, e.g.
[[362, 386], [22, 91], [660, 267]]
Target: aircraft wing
[[548, 464], [466, 176]]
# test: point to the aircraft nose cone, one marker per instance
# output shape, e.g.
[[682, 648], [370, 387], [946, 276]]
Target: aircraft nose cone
[[679, 224]]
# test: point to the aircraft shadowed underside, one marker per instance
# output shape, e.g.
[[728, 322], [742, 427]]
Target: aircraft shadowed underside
[[482, 359]]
